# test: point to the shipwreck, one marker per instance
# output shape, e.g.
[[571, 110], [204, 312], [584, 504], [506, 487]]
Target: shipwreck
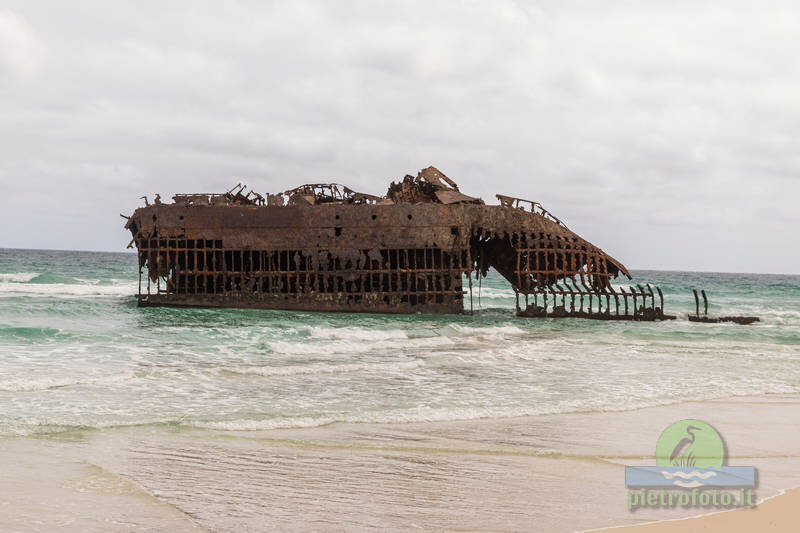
[[325, 247]]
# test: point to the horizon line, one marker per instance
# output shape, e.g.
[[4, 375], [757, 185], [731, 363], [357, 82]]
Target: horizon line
[[643, 269]]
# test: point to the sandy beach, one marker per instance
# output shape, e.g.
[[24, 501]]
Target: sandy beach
[[489, 475], [308, 266], [777, 514]]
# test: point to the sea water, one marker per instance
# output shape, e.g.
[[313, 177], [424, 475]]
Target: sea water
[[77, 353]]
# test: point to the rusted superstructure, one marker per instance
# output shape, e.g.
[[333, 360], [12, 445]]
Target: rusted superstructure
[[325, 247]]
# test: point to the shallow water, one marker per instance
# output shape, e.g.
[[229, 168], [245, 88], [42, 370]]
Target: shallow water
[[76, 352]]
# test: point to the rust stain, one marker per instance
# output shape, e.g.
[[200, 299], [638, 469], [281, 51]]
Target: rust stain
[[325, 247]]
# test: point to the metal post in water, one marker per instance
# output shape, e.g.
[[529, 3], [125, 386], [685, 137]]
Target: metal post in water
[[625, 298], [470, 292], [572, 299], [644, 296]]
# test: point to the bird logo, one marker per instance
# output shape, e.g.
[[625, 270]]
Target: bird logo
[[690, 454], [690, 444], [692, 447], [683, 452]]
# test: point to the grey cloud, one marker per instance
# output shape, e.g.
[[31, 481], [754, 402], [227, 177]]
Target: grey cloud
[[638, 123]]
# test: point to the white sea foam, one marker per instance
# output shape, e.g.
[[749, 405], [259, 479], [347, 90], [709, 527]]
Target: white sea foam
[[264, 424], [88, 281], [488, 331], [65, 290], [352, 340], [492, 293], [29, 384], [356, 345], [251, 370], [321, 368], [17, 277], [420, 414], [356, 334], [544, 350]]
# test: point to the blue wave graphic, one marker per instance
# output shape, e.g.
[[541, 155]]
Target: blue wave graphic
[[660, 476]]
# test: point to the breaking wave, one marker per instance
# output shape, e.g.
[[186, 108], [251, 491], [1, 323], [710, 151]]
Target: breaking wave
[[359, 340], [355, 333], [67, 290], [29, 334], [75, 354], [17, 277], [487, 331], [492, 293]]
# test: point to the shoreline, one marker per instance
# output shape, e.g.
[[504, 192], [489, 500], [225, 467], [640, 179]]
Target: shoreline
[[777, 513], [522, 474]]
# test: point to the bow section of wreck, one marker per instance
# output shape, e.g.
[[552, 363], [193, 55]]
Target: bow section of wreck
[[324, 247]]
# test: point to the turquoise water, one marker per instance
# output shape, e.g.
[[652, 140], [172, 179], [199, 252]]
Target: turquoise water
[[76, 352]]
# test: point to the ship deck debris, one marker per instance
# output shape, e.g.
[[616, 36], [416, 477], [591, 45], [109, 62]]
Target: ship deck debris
[[609, 304]]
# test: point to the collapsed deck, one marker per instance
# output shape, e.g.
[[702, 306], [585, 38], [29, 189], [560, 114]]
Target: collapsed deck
[[324, 247]]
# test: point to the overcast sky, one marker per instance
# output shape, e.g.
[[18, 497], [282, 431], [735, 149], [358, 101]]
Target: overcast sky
[[667, 133]]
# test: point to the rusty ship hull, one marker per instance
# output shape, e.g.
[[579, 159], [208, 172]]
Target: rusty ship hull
[[408, 252]]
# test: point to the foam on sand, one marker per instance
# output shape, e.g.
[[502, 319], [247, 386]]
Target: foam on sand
[[28, 384], [321, 368]]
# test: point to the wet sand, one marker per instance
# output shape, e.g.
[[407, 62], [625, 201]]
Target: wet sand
[[46, 486], [542, 473]]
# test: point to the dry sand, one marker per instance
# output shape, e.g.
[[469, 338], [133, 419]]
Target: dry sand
[[775, 515]]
